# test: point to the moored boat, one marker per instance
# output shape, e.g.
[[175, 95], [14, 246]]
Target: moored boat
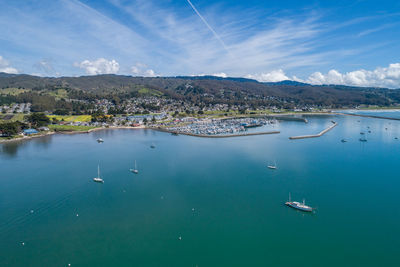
[[98, 178], [298, 205]]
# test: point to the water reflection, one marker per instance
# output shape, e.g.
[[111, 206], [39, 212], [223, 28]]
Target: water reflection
[[11, 149]]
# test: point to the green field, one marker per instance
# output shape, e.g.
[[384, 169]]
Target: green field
[[13, 91], [69, 128], [11, 117], [146, 91], [81, 118]]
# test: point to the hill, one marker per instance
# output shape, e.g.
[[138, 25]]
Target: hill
[[201, 89]]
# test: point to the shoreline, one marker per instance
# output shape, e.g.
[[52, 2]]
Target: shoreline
[[336, 112]]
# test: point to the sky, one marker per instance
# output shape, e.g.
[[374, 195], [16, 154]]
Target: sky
[[318, 42]]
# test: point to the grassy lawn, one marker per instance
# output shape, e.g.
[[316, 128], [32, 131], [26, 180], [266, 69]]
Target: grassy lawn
[[12, 91], [59, 93], [12, 117], [68, 128], [81, 118], [146, 91]]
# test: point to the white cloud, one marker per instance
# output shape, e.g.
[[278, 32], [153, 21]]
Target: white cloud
[[380, 77], [5, 67], [140, 69], [99, 66], [273, 76], [221, 74]]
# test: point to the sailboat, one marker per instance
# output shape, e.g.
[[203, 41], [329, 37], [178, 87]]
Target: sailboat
[[272, 167], [98, 179], [298, 205], [135, 170]]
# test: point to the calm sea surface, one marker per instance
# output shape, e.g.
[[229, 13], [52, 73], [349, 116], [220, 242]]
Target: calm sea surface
[[216, 194]]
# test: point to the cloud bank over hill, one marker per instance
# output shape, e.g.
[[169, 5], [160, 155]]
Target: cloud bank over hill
[[380, 77]]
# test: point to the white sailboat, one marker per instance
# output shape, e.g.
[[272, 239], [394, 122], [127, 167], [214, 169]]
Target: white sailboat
[[272, 167], [135, 170], [98, 179]]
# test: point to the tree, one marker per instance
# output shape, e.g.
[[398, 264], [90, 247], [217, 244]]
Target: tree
[[11, 128], [38, 119], [153, 120], [145, 121]]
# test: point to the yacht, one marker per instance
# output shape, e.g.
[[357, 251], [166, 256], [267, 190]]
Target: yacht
[[135, 170], [98, 179], [298, 205], [100, 140]]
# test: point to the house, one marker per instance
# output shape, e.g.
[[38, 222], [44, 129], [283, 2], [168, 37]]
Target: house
[[30, 131]]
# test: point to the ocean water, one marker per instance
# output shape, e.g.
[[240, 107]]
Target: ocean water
[[204, 202]]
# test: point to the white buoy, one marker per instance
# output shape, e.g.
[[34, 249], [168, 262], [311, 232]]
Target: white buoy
[[192, 209], [180, 238], [23, 243], [69, 264], [77, 215], [31, 211]]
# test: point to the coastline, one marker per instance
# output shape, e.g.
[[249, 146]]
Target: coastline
[[23, 138], [333, 112]]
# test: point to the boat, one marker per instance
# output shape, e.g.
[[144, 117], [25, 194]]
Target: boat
[[100, 140], [298, 206], [135, 170], [98, 179], [343, 140], [363, 139], [272, 167], [362, 133], [153, 145]]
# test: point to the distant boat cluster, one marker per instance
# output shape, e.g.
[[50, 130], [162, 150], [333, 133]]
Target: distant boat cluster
[[221, 127]]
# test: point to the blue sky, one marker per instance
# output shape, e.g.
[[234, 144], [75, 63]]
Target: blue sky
[[321, 42]]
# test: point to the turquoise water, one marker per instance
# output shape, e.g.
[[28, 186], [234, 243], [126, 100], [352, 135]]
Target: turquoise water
[[239, 217]]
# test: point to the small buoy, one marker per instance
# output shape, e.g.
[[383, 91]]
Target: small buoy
[[77, 215], [69, 264], [31, 211], [23, 243], [180, 238], [192, 209]]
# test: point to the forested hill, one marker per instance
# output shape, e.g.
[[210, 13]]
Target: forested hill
[[205, 89]]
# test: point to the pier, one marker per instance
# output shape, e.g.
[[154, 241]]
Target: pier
[[315, 135]]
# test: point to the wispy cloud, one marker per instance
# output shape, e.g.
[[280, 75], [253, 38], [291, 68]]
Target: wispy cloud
[[208, 25]]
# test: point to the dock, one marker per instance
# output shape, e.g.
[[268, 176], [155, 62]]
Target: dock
[[213, 136], [315, 135]]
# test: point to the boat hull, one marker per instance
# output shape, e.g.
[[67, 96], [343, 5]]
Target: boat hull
[[295, 206]]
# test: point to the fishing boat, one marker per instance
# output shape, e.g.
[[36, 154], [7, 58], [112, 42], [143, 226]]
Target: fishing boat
[[100, 140], [362, 133], [298, 206], [343, 140], [135, 170], [363, 139], [272, 167], [98, 179]]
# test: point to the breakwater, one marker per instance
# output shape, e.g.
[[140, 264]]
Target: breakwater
[[214, 136], [370, 116], [315, 135]]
